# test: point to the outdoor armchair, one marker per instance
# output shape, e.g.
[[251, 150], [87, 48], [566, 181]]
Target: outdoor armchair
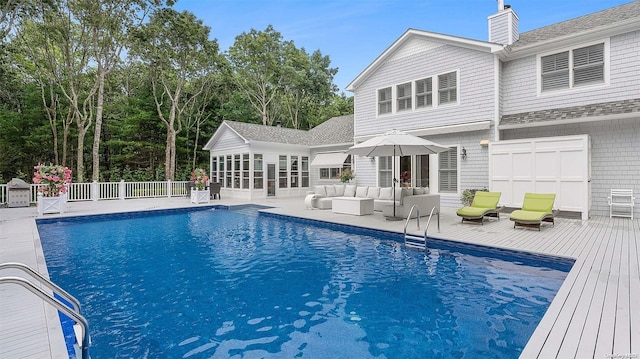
[[536, 208], [485, 204]]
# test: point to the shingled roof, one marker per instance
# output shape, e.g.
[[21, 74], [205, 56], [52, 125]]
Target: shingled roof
[[335, 130], [583, 23], [555, 115]]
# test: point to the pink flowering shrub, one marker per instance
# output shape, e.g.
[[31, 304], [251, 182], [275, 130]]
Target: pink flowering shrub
[[54, 179], [200, 178]]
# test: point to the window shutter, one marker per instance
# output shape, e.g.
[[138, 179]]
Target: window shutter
[[448, 170], [555, 71], [588, 65]]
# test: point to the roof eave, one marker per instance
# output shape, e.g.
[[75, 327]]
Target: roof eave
[[218, 133], [477, 45], [617, 28]]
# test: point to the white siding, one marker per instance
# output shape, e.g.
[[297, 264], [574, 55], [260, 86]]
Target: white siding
[[229, 142], [413, 46], [499, 28], [520, 81], [476, 95]]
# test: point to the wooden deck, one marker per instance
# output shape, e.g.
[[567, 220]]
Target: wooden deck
[[595, 314]]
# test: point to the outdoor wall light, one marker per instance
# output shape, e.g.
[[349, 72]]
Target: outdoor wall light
[[464, 153]]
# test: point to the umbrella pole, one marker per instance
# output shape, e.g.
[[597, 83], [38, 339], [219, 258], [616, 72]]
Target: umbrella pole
[[393, 186]]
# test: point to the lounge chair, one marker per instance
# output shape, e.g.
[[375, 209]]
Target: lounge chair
[[536, 208], [485, 204], [189, 186]]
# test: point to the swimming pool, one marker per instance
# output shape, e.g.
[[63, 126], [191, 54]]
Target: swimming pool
[[222, 283]]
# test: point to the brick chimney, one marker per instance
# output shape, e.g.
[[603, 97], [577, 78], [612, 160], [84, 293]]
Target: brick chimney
[[503, 26]]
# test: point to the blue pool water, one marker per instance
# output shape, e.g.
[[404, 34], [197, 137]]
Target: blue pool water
[[222, 284]]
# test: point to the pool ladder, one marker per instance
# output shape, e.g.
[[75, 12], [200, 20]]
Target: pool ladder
[[72, 310], [415, 241]]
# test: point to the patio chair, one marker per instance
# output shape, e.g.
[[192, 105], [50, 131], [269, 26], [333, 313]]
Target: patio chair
[[214, 190], [188, 187], [536, 208], [485, 204]]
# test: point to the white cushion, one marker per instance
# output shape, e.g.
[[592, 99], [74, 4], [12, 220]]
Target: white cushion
[[398, 194], [426, 190], [386, 193], [350, 190], [339, 190], [319, 190], [361, 191], [418, 190], [331, 190], [373, 192]]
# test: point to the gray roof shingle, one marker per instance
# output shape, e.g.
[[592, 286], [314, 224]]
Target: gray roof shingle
[[574, 112], [333, 131], [579, 24]]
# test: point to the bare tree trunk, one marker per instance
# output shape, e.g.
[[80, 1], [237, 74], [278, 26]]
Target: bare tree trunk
[[80, 152], [98, 125], [51, 110]]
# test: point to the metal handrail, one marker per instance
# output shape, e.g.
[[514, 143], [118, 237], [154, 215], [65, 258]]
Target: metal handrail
[[406, 223], [437, 211], [77, 317], [41, 279]]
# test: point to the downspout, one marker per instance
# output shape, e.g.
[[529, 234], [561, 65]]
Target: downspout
[[497, 99]]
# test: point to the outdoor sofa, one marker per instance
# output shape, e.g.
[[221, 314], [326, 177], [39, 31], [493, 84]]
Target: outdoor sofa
[[322, 196]]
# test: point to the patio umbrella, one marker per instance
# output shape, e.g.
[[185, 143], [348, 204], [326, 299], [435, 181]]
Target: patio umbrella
[[395, 143]]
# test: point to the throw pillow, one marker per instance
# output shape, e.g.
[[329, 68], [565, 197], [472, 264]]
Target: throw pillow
[[350, 190], [418, 190], [373, 192], [386, 193], [361, 191], [331, 190], [319, 190], [339, 189]]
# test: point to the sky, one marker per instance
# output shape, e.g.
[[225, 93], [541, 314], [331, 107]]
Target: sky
[[353, 33]]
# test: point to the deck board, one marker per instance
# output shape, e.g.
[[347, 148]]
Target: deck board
[[594, 313]]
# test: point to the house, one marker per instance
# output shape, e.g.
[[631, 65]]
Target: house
[[255, 161], [555, 109]]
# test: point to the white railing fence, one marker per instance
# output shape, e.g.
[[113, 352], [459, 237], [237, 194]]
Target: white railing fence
[[96, 191]]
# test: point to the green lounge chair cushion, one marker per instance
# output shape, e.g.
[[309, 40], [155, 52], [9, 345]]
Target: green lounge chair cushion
[[483, 199], [473, 212], [528, 216], [483, 203], [538, 202], [535, 208]]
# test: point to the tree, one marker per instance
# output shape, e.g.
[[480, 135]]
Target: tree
[[108, 24], [176, 48], [257, 60]]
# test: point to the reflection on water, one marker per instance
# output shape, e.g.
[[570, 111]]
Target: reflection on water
[[222, 284]]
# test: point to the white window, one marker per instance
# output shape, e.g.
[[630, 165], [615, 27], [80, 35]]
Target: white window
[[403, 94], [334, 172], [305, 171], [385, 176], [282, 174], [569, 69], [245, 170], [384, 101], [448, 171], [447, 88], [257, 172], [424, 93]]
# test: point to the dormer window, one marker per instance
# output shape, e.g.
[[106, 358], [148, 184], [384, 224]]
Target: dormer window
[[404, 97], [384, 101], [573, 68]]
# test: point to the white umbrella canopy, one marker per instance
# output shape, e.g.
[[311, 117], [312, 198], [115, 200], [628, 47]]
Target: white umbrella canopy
[[396, 143]]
